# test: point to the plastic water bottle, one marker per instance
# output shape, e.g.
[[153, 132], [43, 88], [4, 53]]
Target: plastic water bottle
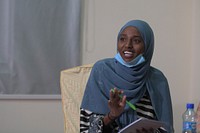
[[189, 119]]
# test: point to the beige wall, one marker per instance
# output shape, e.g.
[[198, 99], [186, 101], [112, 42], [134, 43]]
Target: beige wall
[[177, 33]]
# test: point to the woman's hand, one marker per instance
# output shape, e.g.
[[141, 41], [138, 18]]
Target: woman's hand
[[116, 104]]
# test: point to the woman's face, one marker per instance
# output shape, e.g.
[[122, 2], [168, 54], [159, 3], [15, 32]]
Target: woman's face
[[130, 44]]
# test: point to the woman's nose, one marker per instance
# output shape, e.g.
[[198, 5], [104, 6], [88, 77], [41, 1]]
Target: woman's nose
[[129, 44]]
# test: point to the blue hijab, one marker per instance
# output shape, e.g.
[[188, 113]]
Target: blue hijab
[[134, 81]]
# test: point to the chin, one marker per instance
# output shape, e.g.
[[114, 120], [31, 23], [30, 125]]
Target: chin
[[128, 60]]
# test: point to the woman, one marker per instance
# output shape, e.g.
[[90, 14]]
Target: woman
[[130, 73]]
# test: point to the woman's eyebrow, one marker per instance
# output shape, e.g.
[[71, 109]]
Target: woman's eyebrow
[[133, 36], [137, 36], [122, 35]]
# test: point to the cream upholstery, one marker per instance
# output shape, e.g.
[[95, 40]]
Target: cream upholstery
[[73, 83]]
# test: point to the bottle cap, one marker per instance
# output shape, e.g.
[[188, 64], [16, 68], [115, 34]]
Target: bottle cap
[[190, 106]]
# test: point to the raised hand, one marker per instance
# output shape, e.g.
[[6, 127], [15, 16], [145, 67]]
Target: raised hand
[[116, 104]]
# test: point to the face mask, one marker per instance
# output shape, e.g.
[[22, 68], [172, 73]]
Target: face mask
[[138, 60]]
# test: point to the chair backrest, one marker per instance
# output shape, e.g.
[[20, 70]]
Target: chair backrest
[[72, 83]]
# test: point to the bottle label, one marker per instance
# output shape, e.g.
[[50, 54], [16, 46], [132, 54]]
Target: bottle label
[[189, 126]]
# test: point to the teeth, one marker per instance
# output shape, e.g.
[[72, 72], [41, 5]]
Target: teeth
[[127, 52]]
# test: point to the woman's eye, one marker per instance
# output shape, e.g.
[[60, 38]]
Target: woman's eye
[[136, 41], [122, 39]]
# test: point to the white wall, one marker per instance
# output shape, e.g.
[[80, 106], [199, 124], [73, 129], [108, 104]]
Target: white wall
[[195, 61], [31, 116], [177, 33]]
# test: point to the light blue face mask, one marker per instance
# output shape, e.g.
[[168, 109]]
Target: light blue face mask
[[138, 60]]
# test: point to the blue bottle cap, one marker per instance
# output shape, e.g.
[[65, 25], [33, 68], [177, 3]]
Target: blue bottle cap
[[190, 106]]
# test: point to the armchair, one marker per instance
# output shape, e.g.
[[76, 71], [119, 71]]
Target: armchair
[[72, 83]]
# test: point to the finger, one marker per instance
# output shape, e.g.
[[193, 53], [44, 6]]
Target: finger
[[121, 92], [114, 95], [109, 103], [123, 102], [111, 94]]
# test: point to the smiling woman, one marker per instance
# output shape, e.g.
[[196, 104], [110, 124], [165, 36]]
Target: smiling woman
[[39, 39], [134, 79]]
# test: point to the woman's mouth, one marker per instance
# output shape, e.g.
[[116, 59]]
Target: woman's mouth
[[128, 54]]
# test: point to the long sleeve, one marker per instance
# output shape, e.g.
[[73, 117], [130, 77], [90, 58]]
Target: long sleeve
[[93, 123]]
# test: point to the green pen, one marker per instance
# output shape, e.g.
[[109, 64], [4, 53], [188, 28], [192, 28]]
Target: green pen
[[127, 102]]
